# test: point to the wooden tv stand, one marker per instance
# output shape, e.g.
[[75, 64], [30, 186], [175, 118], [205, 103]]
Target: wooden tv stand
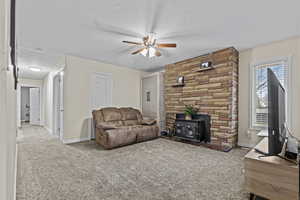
[[270, 177]]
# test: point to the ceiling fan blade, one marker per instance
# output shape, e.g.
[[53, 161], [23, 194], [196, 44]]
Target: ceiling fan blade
[[138, 51], [129, 42], [115, 30], [125, 49], [157, 53], [167, 45]]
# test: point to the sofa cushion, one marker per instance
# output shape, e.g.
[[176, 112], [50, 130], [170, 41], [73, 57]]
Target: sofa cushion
[[130, 122], [121, 136], [106, 127], [128, 114], [147, 133], [111, 114]]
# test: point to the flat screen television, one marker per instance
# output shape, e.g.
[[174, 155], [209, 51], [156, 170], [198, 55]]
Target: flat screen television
[[276, 114]]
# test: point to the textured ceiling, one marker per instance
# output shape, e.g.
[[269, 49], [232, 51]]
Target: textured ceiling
[[34, 59], [94, 29]]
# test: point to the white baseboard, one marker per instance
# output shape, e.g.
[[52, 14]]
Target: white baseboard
[[75, 140]]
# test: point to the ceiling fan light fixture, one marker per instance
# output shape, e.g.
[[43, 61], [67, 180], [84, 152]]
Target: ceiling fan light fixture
[[151, 38], [144, 52], [152, 52], [150, 46]]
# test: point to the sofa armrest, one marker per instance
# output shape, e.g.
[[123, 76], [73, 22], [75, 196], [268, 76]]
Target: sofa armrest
[[148, 122], [105, 127]]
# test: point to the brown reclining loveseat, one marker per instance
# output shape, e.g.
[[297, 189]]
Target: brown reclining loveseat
[[122, 126]]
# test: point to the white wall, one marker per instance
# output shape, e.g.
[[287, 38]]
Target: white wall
[[286, 48], [7, 113], [77, 90]]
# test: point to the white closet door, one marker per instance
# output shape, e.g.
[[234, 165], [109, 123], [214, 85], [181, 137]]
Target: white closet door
[[101, 91], [34, 106], [101, 94]]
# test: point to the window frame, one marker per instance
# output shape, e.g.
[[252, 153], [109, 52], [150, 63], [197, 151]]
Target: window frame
[[252, 114]]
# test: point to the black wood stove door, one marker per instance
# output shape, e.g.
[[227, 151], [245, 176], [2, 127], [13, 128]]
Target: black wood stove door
[[187, 129]]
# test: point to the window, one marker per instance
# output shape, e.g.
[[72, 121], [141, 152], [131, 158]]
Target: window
[[259, 93]]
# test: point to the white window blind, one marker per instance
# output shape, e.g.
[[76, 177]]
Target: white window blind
[[260, 90]]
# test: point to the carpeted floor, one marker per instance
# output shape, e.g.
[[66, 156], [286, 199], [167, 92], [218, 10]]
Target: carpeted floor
[[158, 169]]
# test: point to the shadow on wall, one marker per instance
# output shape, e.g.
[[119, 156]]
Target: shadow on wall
[[86, 129]]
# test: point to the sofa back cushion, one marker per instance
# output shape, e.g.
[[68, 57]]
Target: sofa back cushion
[[131, 116], [111, 114], [131, 122], [128, 114], [110, 125], [139, 116]]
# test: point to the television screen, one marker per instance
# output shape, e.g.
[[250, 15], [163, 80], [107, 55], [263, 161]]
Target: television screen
[[276, 114]]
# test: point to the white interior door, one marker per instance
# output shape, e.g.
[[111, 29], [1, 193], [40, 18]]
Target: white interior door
[[101, 93], [56, 104], [34, 106], [61, 103], [149, 96]]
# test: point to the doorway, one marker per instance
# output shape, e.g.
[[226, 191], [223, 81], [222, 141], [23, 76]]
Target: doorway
[[30, 105], [58, 105], [152, 98]]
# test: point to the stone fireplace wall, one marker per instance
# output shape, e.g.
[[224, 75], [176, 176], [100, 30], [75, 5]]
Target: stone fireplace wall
[[214, 92]]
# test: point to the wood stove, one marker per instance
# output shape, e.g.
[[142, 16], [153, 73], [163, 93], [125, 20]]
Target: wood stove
[[196, 130]]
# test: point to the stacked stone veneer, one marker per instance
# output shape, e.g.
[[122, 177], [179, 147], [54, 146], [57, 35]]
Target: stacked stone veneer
[[214, 92]]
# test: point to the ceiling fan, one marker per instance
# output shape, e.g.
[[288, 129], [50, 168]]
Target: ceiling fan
[[150, 47]]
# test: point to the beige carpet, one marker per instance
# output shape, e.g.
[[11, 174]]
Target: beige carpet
[[158, 169]]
